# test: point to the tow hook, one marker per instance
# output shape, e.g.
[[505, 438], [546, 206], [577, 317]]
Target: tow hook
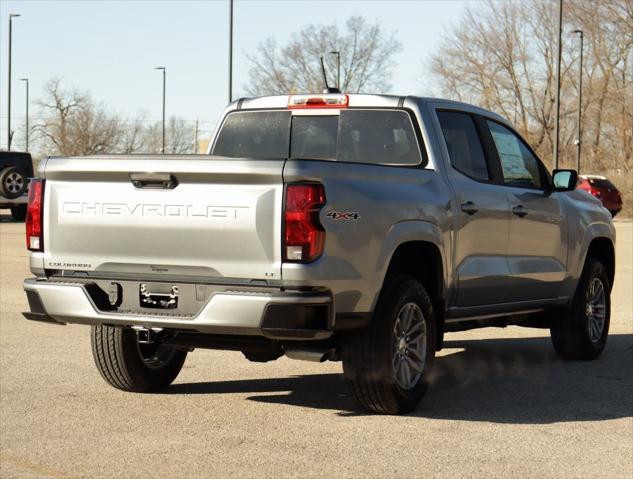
[[147, 335]]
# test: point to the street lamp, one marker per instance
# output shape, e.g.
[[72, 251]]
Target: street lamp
[[579, 135], [230, 51], [338, 68], [26, 80], [9, 133], [558, 59], [164, 82]]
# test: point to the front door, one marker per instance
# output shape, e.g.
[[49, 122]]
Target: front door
[[537, 250]]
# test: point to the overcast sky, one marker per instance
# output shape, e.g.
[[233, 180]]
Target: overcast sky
[[110, 48]]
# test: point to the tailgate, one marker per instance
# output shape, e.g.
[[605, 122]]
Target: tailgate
[[222, 219]]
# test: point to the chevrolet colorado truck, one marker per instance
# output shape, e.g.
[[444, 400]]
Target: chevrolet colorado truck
[[358, 228]]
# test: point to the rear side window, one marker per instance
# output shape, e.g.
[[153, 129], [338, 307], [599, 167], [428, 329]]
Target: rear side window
[[254, 134], [518, 165], [463, 144]]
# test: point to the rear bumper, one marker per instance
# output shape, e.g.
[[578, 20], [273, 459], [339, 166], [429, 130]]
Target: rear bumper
[[9, 203], [279, 315]]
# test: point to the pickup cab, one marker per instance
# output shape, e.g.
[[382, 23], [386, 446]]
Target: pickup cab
[[358, 228]]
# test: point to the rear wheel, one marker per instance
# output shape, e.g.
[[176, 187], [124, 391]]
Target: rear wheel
[[13, 183], [126, 364], [581, 332], [388, 365], [18, 212]]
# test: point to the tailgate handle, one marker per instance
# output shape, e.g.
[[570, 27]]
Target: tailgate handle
[[163, 181]]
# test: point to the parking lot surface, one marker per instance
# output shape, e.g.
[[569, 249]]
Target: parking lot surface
[[503, 405]]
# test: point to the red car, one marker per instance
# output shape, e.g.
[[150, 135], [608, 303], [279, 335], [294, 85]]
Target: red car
[[604, 190]]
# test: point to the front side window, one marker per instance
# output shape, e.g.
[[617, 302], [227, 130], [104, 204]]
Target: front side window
[[463, 144], [518, 165]]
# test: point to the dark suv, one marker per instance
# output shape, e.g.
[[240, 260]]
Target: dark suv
[[15, 170]]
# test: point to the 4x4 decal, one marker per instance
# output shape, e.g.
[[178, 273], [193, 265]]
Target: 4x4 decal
[[338, 215]]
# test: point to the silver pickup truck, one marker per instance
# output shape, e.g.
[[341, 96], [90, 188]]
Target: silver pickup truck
[[358, 228]]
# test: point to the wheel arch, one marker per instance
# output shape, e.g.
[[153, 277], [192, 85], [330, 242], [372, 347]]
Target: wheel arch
[[602, 248], [424, 261], [421, 260]]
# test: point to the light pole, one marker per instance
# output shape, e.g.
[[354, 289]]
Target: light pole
[[230, 51], [579, 135], [558, 59], [26, 80], [338, 68], [9, 134], [164, 70]]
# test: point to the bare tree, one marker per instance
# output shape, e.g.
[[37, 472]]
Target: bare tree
[[179, 136], [133, 137], [366, 58], [501, 55], [73, 125]]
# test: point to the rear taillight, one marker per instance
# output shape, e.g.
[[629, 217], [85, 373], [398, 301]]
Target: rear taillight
[[304, 235], [34, 226]]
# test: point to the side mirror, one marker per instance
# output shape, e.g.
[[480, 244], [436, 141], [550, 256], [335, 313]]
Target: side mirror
[[565, 180]]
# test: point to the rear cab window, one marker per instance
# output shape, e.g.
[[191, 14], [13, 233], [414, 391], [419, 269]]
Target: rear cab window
[[374, 136], [254, 135]]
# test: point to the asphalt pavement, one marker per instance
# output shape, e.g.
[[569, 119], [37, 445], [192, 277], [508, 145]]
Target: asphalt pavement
[[503, 405]]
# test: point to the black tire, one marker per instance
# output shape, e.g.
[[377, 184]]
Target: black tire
[[577, 333], [13, 183], [122, 364], [370, 357], [18, 212]]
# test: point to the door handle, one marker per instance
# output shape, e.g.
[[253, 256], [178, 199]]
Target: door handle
[[519, 211], [469, 208]]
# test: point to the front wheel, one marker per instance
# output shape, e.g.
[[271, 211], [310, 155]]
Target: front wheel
[[388, 365], [581, 331], [126, 364]]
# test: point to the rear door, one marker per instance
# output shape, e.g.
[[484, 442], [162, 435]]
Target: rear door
[[537, 251], [483, 216]]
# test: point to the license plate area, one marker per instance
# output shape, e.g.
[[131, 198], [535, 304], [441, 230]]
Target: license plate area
[[158, 296]]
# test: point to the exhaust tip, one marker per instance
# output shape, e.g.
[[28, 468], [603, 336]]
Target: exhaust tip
[[316, 355]]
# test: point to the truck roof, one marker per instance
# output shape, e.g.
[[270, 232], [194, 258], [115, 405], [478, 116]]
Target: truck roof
[[358, 100]]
